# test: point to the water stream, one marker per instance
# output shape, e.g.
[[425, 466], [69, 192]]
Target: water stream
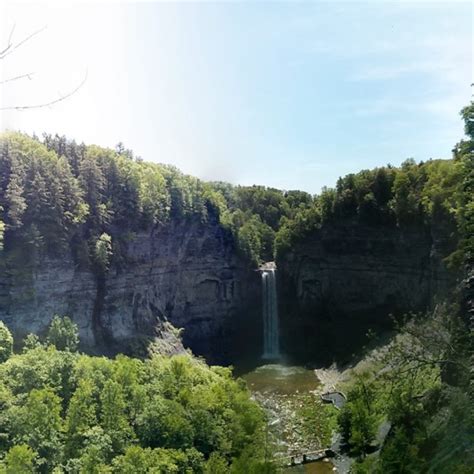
[[271, 331], [287, 393]]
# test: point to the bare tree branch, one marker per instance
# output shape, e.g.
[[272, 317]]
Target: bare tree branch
[[47, 104], [11, 33], [16, 78], [9, 42], [10, 48]]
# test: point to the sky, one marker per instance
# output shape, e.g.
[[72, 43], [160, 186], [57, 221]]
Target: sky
[[285, 94]]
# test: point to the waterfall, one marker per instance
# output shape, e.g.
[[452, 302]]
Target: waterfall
[[271, 333]]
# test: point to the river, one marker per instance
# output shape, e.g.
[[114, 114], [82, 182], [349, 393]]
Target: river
[[299, 423]]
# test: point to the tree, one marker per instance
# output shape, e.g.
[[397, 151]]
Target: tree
[[6, 343], [249, 240], [97, 450], [92, 180], [135, 459], [467, 113], [81, 416], [20, 460], [357, 419], [31, 341], [164, 424], [63, 333], [113, 417], [103, 252], [39, 425], [216, 464], [15, 199]]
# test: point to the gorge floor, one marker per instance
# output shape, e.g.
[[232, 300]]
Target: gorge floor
[[299, 423]]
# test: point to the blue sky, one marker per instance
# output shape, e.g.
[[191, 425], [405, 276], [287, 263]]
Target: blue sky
[[285, 94]]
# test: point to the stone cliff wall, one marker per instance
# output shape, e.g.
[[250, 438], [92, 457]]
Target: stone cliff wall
[[346, 278], [186, 273], [333, 286]]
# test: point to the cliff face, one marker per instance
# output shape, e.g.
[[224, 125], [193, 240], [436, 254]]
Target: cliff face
[[334, 285], [188, 274], [346, 278]]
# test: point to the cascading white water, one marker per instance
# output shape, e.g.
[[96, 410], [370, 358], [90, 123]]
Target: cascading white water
[[271, 332]]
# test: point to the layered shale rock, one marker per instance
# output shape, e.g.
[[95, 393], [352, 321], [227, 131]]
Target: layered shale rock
[[347, 278], [187, 274]]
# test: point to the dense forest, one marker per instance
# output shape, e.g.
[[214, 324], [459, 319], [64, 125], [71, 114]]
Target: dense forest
[[56, 194], [64, 411]]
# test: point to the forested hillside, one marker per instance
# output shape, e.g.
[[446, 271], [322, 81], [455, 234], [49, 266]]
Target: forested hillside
[[56, 194], [413, 195]]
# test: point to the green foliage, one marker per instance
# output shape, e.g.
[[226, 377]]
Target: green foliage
[[467, 113], [250, 239], [63, 334], [113, 418], [56, 195], [358, 418], [63, 410], [464, 155], [38, 424], [216, 464], [423, 195], [142, 461], [39, 368], [430, 420], [6, 342], [31, 341], [103, 252], [412, 195], [81, 417], [20, 460], [164, 423], [250, 461]]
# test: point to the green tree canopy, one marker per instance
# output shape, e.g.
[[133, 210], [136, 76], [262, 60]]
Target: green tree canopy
[[63, 334], [6, 343]]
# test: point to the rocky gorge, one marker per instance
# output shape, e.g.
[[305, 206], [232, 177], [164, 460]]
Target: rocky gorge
[[333, 286], [187, 274]]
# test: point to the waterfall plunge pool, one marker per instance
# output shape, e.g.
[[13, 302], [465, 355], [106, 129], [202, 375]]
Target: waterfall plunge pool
[[281, 379]]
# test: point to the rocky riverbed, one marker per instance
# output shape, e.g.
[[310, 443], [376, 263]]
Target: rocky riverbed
[[299, 422]]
